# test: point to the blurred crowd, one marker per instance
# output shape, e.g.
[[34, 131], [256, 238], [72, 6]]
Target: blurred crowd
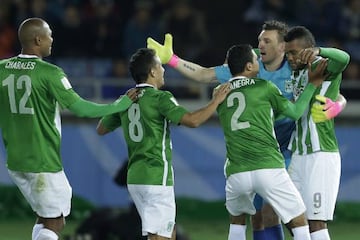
[[111, 30]]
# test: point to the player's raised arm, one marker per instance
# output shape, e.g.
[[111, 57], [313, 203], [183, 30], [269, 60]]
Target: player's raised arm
[[338, 59], [190, 70], [84, 108], [196, 118]]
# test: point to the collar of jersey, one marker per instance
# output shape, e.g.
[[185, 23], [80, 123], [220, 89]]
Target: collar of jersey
[[27, 56], [144, 85], [237, 77]]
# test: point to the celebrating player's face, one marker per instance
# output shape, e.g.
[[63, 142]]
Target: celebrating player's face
[[292, 50], [269, 46], [47, 41], [159, 72]]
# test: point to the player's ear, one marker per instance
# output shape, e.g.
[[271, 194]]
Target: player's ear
[[37, 40], [249, 66], [152, 73]]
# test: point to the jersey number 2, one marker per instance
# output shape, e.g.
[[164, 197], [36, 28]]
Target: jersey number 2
[[235, 123], [23, 81]]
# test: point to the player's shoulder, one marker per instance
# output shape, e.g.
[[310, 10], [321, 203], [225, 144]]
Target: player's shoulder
[[259, 80], [50, 66], [5, 60]]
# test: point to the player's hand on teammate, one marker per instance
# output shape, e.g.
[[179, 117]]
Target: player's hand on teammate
[[324, 109], [133, 93], [317, 74], [220, 92], [165, 52], [308, 55]]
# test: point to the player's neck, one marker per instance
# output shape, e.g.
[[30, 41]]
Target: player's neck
[[26, 51]]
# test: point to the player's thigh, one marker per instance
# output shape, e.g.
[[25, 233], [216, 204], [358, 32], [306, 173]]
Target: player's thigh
[[156, 207], [321, 184], [49, 194], [239, 194], [277, 189]]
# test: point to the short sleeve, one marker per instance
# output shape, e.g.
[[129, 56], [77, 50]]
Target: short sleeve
[[61, 88], [169, 107]]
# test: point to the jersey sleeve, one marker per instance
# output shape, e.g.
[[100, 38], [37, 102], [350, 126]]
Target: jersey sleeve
[[111, 122], [169, 107], [61, 88], [338, 59], [297, 109], [222, 73]]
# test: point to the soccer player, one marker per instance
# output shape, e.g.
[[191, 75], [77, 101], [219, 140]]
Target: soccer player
[[315, 166], [145, 125], [254, 163], [31, 93], [275, 68]]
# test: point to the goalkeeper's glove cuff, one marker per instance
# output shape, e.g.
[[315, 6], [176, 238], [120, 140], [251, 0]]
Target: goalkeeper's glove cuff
[[174, 61], [333, 110]]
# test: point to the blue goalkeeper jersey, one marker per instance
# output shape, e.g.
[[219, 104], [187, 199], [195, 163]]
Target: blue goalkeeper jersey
[[282, 79]]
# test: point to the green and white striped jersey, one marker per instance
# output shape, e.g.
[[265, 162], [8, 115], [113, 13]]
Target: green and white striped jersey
[[30, 93], [146, 130], [309, 137], [247, 119]]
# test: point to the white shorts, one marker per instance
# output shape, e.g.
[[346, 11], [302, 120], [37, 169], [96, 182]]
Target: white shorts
[[273, 185], [156, 207], [49, 194], [317, 177]]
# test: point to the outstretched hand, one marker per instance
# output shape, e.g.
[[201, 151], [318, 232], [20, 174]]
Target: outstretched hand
[[132, 93], [221, 91], [165, 52], [308, 55], [317, 75]]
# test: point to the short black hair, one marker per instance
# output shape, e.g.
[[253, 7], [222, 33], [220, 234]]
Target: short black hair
[[281, 28], [141, 63], [238, 56], [301, 33]]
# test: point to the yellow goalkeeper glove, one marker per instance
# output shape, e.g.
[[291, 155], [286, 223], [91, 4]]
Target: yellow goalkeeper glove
[[324, 109], [165, 52]]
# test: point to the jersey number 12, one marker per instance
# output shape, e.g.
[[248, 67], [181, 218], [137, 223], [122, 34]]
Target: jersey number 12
[[22, 82]]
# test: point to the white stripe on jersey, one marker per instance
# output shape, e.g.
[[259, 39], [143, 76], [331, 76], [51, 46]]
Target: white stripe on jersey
[[314, 136], [304, 126], [57, 118], [166, 165]]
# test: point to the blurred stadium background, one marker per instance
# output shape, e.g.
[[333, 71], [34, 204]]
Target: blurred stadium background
[[93, 40]]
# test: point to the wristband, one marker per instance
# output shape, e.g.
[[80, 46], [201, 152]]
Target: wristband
[[174, 61]]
